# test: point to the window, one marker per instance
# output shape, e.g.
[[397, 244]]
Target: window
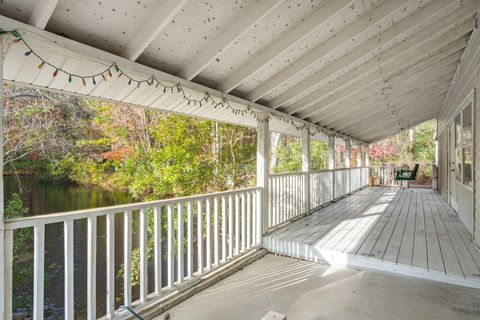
[[458, 148], [467, 157]]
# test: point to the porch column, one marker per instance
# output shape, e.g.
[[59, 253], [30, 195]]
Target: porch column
[[3, 289], [331, 161], [367, 163], [263, 165], [306, 166], [348, 164], [359, 155]]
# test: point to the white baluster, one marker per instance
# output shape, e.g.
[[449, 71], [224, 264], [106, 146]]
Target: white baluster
[[157, 235], [215, 231], [237, 224], [224, 229], [230, 226], [249, 223], [170, 271], [91, 269], [243, 223], [208, 222], [143, 256], [200, 236], [189, 239], [8, 273], [180, 266], [127, 258], [110, 248]]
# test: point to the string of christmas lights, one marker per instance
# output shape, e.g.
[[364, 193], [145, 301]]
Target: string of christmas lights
[[177, 88]]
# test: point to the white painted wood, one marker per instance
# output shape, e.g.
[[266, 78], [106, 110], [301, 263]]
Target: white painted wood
[[38, 271], [383, 38], [409, 231], [170, 250], [7, 272], [91, 269], [263, 165], [200, 236], [143, 247], [189, 239], [306, 159], [208, 233], [157, 247], [41, 13], [243, 222], [110, 257], [215, 232], [152, 28], [248, 234], [314, 55], [224, 229], [431, 38], [230, 226], [237, 224], [180, 238], [127, 258], [301, 31], [226, 39]]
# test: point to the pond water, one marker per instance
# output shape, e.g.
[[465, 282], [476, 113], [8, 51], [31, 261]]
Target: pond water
[[44, 198]]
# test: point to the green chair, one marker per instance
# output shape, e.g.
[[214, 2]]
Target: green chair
[[407, 175]]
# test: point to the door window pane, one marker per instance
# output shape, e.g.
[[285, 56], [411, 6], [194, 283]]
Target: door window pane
[[467, 125], [458, 149], [467, 165]]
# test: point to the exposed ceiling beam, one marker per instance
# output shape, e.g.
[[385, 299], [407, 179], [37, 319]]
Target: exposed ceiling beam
[[373, 69], [345, 35], [391, 132], [152, 28], [273, 50], [389, 122], [367, 99], [358, 97], [347, 120], [403, 111], [41, 13], [427, 14], [238, 28]]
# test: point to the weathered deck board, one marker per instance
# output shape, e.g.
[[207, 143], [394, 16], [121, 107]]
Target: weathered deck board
[[409, 231]]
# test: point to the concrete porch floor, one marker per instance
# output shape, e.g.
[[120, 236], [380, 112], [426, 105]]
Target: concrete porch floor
[[306, 290]]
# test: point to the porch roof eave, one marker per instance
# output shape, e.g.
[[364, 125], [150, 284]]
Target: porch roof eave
[[73, 55]]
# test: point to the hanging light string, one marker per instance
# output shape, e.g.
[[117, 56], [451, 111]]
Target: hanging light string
[[216, 102]]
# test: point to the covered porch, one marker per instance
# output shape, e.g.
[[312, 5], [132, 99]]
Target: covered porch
[[347, 73], [412, 232]]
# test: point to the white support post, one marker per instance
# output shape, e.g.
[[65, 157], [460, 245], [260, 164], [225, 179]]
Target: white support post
[[263, 165], [4, 292], [359, 155], [331, 161], [306, 166], [367, 162], [348, 162]]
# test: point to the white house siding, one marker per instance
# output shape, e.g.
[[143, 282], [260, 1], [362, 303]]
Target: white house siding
[[466, 79]]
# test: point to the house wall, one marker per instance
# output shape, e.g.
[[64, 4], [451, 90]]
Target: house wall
[[465, 81], [443, 165]]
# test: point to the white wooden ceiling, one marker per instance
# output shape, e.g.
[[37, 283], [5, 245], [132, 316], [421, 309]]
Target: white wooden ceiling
[[364, 68]]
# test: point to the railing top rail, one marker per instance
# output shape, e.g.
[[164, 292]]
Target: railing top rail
[[321, 170], [299, 173], [95, 212]]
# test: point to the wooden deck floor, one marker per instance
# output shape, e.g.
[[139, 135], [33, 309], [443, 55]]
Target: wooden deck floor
[[408, 231]]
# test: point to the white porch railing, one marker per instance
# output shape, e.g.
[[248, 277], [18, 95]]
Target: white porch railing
[[288, 191], [287, 197], [321, 187], [384, 175], [221, 225]]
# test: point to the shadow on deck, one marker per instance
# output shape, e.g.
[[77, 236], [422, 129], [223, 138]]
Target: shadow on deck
[[412, 232]]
